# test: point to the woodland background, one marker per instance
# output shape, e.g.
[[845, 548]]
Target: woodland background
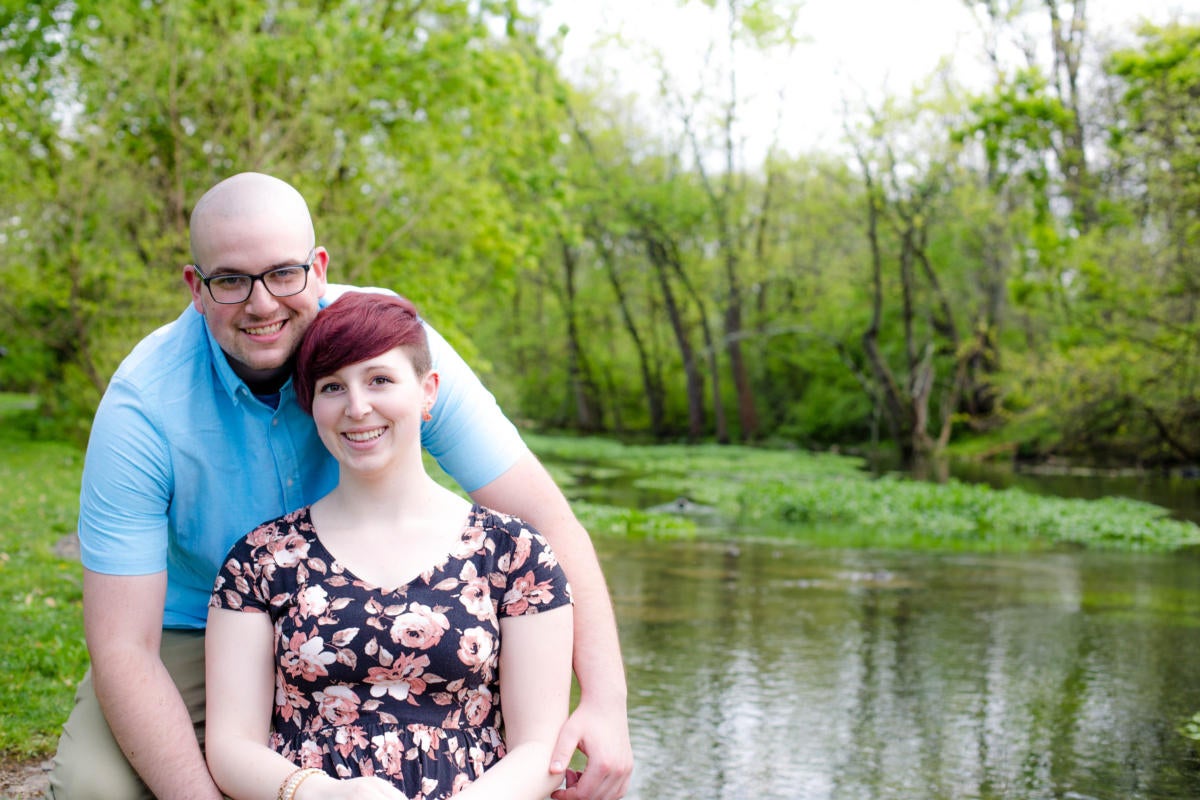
[[1013, 270]]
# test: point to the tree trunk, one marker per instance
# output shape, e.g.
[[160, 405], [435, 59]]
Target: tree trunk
[[658, 256]]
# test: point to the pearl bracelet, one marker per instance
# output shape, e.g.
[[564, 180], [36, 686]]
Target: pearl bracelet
[[287, 789]]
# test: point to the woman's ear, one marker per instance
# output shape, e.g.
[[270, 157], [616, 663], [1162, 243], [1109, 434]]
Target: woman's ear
[[429, 389]]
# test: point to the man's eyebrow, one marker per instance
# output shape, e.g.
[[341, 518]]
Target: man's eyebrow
[[229, 271]]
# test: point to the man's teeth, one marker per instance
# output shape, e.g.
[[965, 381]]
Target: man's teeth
[[365, 436], [265, 330]]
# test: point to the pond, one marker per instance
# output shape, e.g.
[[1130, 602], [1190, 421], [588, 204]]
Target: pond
[[778, 672]]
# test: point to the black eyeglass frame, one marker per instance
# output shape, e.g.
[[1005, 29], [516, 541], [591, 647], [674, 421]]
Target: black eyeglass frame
[[207, 280]]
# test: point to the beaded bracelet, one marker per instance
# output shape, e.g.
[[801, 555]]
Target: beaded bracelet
[[287, 789]]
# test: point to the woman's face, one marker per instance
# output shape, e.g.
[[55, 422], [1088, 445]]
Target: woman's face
[[368, 414]]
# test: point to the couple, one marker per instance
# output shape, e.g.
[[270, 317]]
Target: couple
[[203, 434]]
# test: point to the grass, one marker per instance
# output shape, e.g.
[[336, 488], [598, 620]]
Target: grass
[[42, 652], [816, 499]]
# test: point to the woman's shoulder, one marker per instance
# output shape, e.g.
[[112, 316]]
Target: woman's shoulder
[[513, 539], [497, 521], [285, 530]]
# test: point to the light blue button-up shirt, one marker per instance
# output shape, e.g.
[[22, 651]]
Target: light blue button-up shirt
[[184, 460]]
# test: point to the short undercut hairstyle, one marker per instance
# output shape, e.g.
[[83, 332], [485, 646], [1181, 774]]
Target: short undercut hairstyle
[[353, 328]]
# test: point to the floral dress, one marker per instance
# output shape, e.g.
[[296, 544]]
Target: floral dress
[[398, 683]]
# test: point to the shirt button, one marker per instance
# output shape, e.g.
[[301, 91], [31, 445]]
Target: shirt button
[[274, 422], [290, 482]]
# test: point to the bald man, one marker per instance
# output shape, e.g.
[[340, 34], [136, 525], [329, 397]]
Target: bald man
[[199, 438]]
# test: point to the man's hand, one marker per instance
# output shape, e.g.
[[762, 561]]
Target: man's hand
[[603, 736]]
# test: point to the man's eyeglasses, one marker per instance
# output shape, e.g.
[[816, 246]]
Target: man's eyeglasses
[[280, 281]]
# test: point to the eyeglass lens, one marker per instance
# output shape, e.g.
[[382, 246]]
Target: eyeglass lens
[[281, 282]]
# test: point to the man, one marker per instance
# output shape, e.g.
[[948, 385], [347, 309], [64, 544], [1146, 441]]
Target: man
[[199, 438]]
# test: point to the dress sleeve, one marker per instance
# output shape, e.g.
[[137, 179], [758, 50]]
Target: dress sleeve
[[240, 584], [535, 581]]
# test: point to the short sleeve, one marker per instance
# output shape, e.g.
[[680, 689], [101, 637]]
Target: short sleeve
[[469, 436], [534, 580], [240, 584], [126, 488]]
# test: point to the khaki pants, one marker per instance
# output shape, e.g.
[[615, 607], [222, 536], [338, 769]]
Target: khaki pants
[[89, 764]]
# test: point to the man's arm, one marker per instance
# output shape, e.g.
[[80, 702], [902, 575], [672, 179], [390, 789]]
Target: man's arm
[[599, 726], [122, 617]]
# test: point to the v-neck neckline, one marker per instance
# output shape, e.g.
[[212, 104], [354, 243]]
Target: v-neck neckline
[[402, 587]]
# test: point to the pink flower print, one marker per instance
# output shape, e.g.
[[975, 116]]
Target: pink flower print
[[288, 551], [389, 751], [476, 596], [349, 739], [461, 781], [338, 705], [306, 657], [547, 558], [476, 648], [288, 699], [313, 601], [428, 740], [526, 592], [420, 627], [260, 535], [522, 545], [311, 755], [401, 679], [471, 540], [477, 704]]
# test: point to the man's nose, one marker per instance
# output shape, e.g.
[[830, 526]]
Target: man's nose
[[260, 298]]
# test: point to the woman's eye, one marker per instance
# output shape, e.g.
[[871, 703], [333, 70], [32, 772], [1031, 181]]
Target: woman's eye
[[327, 388], [378, 379]]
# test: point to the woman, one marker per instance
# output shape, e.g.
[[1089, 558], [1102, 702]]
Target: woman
[[354, 646]]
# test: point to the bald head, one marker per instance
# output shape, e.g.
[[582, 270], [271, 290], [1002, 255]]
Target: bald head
[[248, 200]]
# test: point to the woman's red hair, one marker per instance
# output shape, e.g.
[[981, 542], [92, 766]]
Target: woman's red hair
[[353, 328]]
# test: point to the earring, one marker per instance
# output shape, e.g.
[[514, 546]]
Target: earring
[[425, 415]]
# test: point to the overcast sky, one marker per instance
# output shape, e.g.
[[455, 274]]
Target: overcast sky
[[853, 49]]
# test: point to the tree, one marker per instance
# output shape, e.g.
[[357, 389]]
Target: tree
[[395, 119]]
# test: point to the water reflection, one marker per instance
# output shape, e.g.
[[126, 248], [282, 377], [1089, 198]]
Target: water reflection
[[773, 671]]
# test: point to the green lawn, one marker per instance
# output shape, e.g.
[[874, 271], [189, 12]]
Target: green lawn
[[42, 653]]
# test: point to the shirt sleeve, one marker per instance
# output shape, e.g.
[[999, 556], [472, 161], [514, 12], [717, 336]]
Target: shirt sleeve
[[535, 581], [126, 488], [469, 436]]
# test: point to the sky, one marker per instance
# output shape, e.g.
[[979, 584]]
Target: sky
[[853, 51]]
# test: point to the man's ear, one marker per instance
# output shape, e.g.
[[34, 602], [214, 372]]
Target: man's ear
[[195, 284], [320, 269]]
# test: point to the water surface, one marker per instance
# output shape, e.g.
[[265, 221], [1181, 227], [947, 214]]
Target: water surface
[[774, 671]]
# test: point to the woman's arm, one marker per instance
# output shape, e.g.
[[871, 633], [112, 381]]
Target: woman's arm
[[599, 725], [535, 693], [239, 665]]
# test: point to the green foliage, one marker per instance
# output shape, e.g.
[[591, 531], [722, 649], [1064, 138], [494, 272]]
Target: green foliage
[[419, 136], [827, 499]]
